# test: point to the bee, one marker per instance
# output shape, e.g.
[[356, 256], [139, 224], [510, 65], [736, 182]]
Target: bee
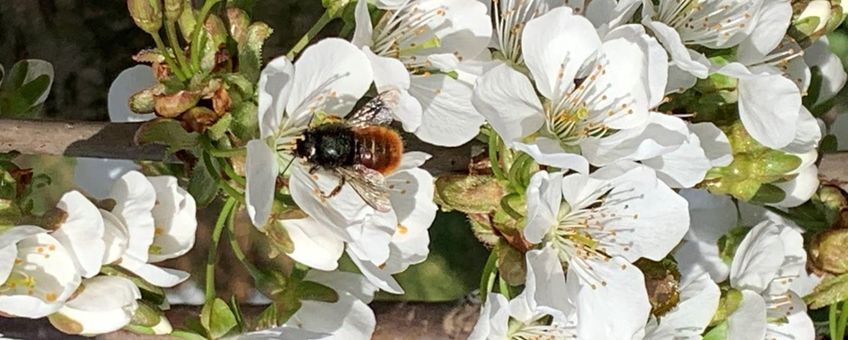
[[359, 149]]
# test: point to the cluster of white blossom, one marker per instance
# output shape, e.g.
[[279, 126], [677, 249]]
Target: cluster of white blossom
[[76, 267]]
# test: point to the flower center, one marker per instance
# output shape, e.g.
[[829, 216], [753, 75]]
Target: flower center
[[706, 22], [22, 280], [406, 31], [539, 327]]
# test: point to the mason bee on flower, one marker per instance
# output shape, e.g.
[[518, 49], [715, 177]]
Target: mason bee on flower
[[360, 149]]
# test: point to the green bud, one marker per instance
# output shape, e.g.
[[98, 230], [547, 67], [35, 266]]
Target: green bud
[[173, 10], [146, 315], [662, 281], [814, 19], [187, 20], [729, 303], [832, 197], [147, 14], [828, 251], [469, 194], [145, 100]]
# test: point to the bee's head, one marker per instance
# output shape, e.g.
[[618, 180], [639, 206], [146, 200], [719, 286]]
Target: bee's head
[[305, 147]]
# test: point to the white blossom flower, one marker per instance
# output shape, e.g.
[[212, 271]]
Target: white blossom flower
[[542, 310], [414, 47], [153, 220], [715, 24], [103, 304], [766, 262], [599, 224], [348, 318], [833, 75], [37, 273], [590, 88], [81, 233]]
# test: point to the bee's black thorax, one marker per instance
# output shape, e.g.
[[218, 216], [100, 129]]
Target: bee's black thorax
[[328, 145]]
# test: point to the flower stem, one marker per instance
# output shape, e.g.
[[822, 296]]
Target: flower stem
[[196, 45], [231, 173], [171, 31], [843, 321], [226, 210], [170, 61], [487, 280], [306, 38], [236, 248], [225, 153]]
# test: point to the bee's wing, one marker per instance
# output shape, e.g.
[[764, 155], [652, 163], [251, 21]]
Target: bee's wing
[[377, 111], [369, 184]]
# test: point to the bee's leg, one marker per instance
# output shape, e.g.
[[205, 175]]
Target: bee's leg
[[338, 188]]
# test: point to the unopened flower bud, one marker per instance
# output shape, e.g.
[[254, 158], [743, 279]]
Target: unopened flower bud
[[198, 119], [145, 100], [828, 251], [832, 197], [147, 14], [469, 194], [173, 10], [815, 18], [53, 219], [149, 320]]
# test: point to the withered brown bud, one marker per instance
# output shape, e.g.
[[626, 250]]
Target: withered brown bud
[[662, 281], [198, 118], [170, 106], [54, 218], [239, 22], [829, 252]]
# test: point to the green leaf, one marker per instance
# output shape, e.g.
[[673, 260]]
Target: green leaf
[[187, 335], [308, 290], [219, 129], [250, 53], [16, 76], [217, 318], [10, 214], [245, 125], [168, 132], [831, 290], [266, 319], [236, 308], [717, 333], [202, 185], [32, 91]]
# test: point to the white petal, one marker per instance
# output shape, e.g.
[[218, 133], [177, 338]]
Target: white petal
[[175, 219], [463, 31], [344, 282], [709, 222], [555, 46], [759, 94], [715, 143], [330, 76], [340, 212], [313, 246], [680, 55], [126, 84], [448, 118], [106, 304], [262, 168], [362, 36], [636, 73], [347, 318], [508, 101], [749, 321], [376, 275], [623, 300], [801, 188], [390, 74], [771, 23], [7, 260], [155, 275], [51, 268], [191, 293], [798, 325], [546, 280], [547, 151], [679, 80], [494, 316], [544, 197], [135, 197], [274, 89], [684, 167], [95, 176], [819, 54], [116, 236], [794, 261], [663, 134], [755, 265], [371, 242], [82, 232], [807, 136]]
